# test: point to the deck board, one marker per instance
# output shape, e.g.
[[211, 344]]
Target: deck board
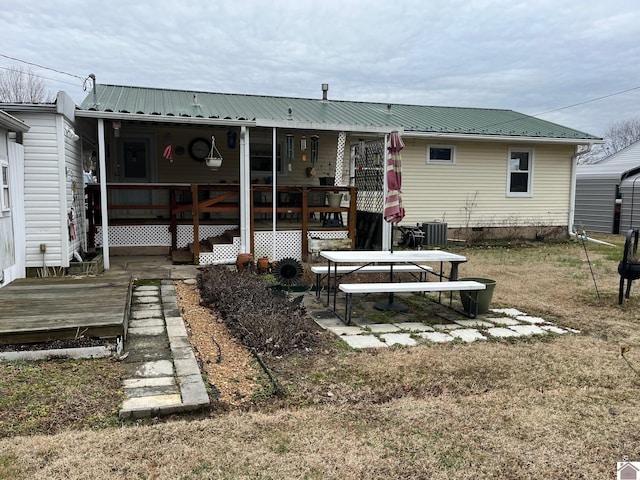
[[33, 310]]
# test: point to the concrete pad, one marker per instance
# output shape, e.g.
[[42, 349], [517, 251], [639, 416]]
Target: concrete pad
[[474, 323], [502, 332], [382, 328], [176, 331], [148, 382], [193, 391], [531, 320], [553, 329], [436, 337], [135, 331], [468, 335], [527, 329], [329, 322], [145, 300], [363, 341], [346, 330], [404, 339], [147, 288], [414, 326], [512, 312], [504, 321], [158, 368], [186, 366], [151, 402], [446, 327], [146, 322], [146, 312]]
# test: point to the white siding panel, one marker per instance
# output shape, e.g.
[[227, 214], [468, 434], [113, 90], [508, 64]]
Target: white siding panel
[[449, 192]]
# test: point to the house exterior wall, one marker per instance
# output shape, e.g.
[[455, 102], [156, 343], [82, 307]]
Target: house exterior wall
[[473, 191], [595, 203], [630, 212]]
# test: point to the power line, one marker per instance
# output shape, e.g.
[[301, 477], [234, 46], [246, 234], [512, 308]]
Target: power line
[[42, 66], [587, 101], [42, 76]]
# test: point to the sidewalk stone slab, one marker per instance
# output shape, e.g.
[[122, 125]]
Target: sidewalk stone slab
[[174, 322], [146, 322], [158, 368], [502, 332], [133, 331], [346, 330], [147, 288], [134, 392], [530, 319], [474, 323], [446, 327], [504, 321], [398, 339], [468, 335], [149, 382], [362, 341], [414, 326], [553, 329], [147, 299], [436, 337], [176, 331], [527, 329], [151, 402], [186, 366], [329, 322], [382, 328], [147, 312], [512, 312], [194, 393], [151, 294]]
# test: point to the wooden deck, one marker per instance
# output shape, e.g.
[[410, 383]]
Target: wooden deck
[[42, 309]]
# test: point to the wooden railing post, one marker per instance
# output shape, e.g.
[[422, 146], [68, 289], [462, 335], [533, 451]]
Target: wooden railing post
[[196, 223], [305, 222], [353, 213], [173, 225]]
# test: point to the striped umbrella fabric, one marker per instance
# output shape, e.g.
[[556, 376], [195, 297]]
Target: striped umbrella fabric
[[393, 208]]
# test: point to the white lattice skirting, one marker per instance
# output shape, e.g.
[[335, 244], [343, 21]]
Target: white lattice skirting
[[156, 235]]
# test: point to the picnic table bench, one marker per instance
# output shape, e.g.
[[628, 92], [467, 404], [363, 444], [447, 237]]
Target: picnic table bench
[[323, 271], [410, 287]]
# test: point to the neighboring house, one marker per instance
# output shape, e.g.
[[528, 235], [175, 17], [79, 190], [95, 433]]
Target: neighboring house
[[606, 196], [53, 184], [12, 234], [484, 171]]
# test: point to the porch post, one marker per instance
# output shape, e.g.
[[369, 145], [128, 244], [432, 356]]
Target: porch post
[[104, 208], [245, 193], [386, 226], [274, 194]]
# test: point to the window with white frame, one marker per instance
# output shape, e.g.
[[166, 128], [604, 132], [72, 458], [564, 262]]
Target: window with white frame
[[441, 154], [520, 172], [4, 178]]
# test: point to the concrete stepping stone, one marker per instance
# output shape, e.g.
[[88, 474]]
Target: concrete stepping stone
[[145, 311], [502, 332], [414, 326], [468, 335], [363, 341], [436, 337], [553, 329], [382, 328], [346, 330], [327, 323], [504, 321], [147, 288], [530, 319], [146, 322], [155, 294], [152, 330], [145, 300], [403, 339], [474, 323], [157, 368], [527, 329], [512, 312], [446, 327]]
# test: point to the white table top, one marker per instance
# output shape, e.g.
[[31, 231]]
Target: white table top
[[369, 256]]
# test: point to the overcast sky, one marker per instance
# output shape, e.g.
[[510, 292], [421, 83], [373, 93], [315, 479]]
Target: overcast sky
[[532, 56]]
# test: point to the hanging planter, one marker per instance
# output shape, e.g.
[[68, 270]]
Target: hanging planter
[[214, 159]]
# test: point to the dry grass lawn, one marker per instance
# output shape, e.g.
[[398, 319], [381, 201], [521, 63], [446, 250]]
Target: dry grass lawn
[[563, 406]]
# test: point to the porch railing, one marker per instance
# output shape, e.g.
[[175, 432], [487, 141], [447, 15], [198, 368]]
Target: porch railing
[[173, 204]]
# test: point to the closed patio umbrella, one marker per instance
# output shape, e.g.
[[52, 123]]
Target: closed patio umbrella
[[393, 208]]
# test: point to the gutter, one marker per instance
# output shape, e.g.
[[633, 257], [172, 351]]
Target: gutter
[[143, 117], [501, 138], [572, 192], [12, 123]]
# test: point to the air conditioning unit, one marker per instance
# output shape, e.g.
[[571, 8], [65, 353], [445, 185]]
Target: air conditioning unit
[[435, 234]]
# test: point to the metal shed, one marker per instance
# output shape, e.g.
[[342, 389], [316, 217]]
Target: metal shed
[[604, 197]]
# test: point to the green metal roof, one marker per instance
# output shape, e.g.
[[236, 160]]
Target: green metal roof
[[367, 115]]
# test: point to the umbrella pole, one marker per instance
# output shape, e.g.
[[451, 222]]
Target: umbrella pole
[[389, 306]]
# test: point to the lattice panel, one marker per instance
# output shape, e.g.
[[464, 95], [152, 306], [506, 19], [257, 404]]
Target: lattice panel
[[328, 235], [288, 244], [222, 254], [184, 235], [136, 235], [369, 171], [342, 136]]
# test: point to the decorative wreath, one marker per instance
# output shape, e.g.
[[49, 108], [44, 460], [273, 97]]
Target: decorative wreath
[[288, 271]]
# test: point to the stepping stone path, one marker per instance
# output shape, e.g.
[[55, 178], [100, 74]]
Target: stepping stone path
[[498, 323], [164, 376]]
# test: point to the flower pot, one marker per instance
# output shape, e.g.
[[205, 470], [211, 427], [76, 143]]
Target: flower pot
[[484, 296], [214, 162], [263, 264], [334, 199], [244, 261]]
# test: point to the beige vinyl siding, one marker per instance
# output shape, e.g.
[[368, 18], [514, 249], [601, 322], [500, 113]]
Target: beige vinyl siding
[[479, 175], [43, 202]]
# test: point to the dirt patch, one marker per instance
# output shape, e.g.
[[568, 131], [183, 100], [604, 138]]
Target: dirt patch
[[55, 344], [232, 372]]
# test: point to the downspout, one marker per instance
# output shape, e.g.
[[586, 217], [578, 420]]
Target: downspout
[[572, 192], [103, 194]]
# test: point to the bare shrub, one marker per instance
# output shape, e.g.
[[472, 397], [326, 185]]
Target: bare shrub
[[264, 322]]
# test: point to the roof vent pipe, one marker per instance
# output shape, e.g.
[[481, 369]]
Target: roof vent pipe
[[95, 94], [325, 89]]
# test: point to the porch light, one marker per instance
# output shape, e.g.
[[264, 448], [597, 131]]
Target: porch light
[[303, 143], [116, 128]]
